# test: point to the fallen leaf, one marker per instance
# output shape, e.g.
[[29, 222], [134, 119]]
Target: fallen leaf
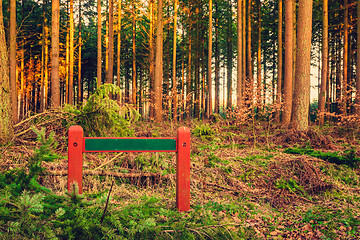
[[274, 233], [307, 227]]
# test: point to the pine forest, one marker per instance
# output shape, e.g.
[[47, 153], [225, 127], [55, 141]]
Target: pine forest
[[179, 119]]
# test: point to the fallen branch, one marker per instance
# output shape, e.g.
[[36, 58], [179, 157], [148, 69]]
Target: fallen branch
[[114, 174]]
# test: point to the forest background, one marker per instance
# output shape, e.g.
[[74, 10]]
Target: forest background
[[180, 60]]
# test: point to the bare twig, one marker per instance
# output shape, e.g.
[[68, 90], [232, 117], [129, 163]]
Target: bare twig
[[107, 203]]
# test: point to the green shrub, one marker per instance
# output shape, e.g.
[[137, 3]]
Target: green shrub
[[103, 116], [348, 157]]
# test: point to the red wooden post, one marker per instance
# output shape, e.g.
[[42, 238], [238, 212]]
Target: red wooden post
[[75, 158], [183, 169]]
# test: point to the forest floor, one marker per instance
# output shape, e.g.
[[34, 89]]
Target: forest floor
[[248, 181]]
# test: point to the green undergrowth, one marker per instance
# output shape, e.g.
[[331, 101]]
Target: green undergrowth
[[347, 157], [102, 115], [31, 211]]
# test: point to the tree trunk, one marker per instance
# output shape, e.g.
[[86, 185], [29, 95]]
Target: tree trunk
[[250, 83], [80, 89], [325, 61], [110, 70], [289, 59], [174, 82], [67, 60], [158, 64], [217, 62], [337, 74], [118, 47], [71, 62], [301, 101], [239, 79], [134, 85], [357, 98], [345, 96], [229, 58], [258, 87], [209, 65], [6, 123], [189, 89], [55, 78], [99, 50], [152, 61], [244, 70], [280, 62], [12, 55]]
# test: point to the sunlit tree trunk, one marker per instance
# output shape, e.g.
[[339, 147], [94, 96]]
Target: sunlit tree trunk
[[196, 89], [209, 65], [239, 78], [345, 96], [67, 59], [118, 45], [44, 64], [289, 59], [244, 70], [229, 58], [80, 87], [22, 80], [158, 64], [280, 61], [325, 61], [55, 78], [357, 98], [134, 85], [110, 70], [6, 123], [12, 55], [71, 61], [99, 50], [189, 89], [258, 88], [301, 100], [217, 63], [250, 83], [174, 81], [151, 61]]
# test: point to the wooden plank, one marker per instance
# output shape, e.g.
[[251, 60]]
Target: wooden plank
[[130, 145]]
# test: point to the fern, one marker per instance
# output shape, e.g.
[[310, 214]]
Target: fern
[[103, 116]]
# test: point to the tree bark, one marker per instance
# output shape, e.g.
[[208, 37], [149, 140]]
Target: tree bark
[[152, 61], [174, 82], [289, 59], [6, 123], [229, 58], [99, 45], [134, 83], [280, 62], [301, 100], [118, 46], [239, 69], [357, 98], [258, 85], [71, 61], [250, 81], [345, 95], [158, 64], [217, 62], [110, 70], [80, 89], [55, 78], [325, 61], [12, 55], [209, 77]]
